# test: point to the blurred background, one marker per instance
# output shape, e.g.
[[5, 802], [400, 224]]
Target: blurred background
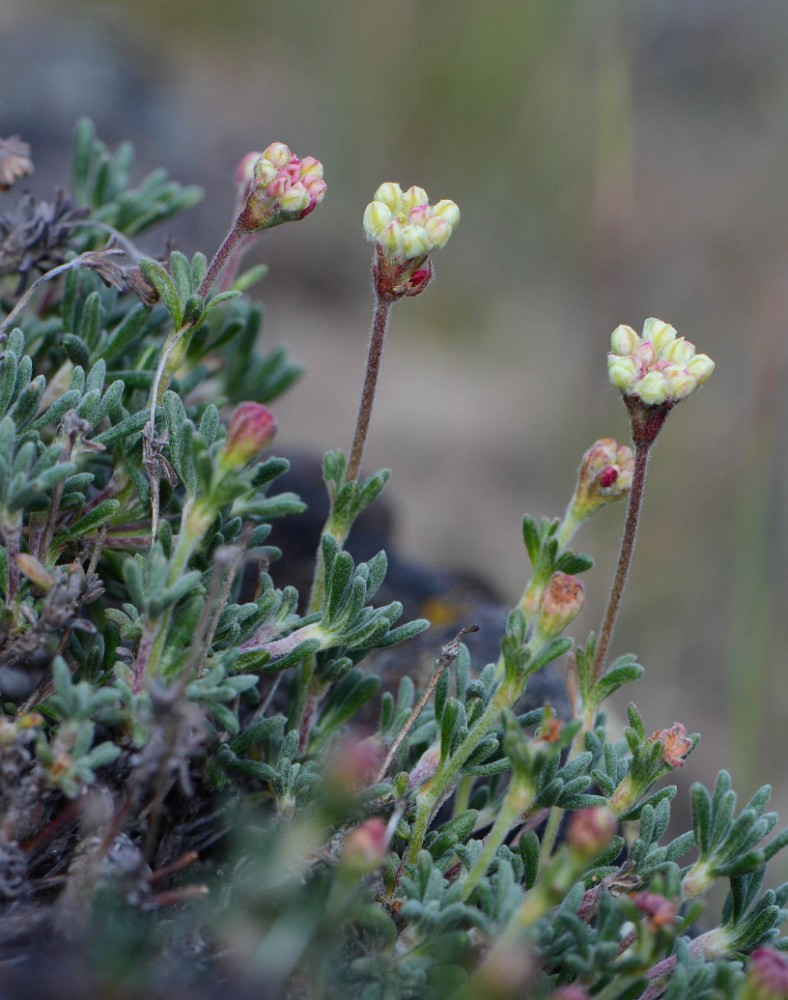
[[613, 160]]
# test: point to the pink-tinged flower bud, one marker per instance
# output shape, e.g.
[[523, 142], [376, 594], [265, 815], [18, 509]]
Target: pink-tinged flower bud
[[658, 369], [573, 992], [295, 199], [317, 188], [675, 744], [562, 601], [767, 976], [680, 381], [244, 172], [624, 340], [590, 831], [413, 197], [251, 428], [660, 334], [604, 476], [364, 848], [438, 231], [311, 169], [447, 211], [352, 765], [279, 154], [659, 912], [419, 215], [425, 769], [265, 173], [278, 187]]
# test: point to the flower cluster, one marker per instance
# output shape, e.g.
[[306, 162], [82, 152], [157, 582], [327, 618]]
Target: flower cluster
[[276, 186], [404, 224], [658, 367]]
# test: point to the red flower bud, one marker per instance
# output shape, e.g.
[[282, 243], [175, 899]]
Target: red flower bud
[[251, 428]]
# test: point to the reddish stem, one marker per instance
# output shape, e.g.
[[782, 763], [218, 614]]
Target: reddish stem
[[379, 325], [224, 255], [647, 422]]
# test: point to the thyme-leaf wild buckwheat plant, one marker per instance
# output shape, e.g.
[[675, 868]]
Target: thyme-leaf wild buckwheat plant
[[205, 789]]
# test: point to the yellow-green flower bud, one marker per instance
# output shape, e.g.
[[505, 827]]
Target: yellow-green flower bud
[[376, 217], [624, 340], [295, 199], [621, 370], [413, 197], [700, 367], [390, 238], [438, 231], [414, 241], [679, 351], [390, 194], [660, 334], [264, 171], [654, 388], [279, 154], [447, 211]]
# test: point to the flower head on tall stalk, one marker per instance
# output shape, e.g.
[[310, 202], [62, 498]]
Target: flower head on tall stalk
[[405, 229], [272, 187], [653, 373]]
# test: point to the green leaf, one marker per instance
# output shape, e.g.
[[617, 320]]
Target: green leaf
[[530, 848], [124, 428], [550, 652], [129, 329], [101, 514], [532, 540], [623, 671], [574, 563], [157, 275]]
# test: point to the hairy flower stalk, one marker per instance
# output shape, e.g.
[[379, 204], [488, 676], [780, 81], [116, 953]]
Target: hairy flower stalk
[[653, 373], [274, 186], [405, 229]]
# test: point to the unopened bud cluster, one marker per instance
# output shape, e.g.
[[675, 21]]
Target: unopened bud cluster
[[605, 475], [404, 224], [658, 367], [277, 186]]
